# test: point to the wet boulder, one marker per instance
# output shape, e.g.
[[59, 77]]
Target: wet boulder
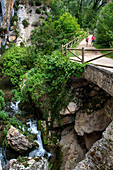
[[18, 141], [27, 163]]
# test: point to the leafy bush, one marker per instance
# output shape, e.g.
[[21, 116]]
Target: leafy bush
[[25, 23], [51, 35], [44, 8], [30, 11], [3, 115], [48, 84], [105, 26], [31, 2], [5, 132], [38, 11], [14, 63], [38, 3], [2, 102], [14, 121]]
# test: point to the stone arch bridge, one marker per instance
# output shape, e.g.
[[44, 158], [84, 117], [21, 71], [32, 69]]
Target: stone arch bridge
[[101, 77]]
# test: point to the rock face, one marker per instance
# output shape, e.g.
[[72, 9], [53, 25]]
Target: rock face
[[29, 163], [7, 12], [71, 150], [97, 121], [100, 156], [18, 141], [71, 109], [64, 121], [90, 139]]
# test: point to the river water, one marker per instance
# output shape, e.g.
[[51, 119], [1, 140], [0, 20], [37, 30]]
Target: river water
[[12, 108]]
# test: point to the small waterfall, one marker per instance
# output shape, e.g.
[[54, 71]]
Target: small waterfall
[[12, 107], [40, 151]]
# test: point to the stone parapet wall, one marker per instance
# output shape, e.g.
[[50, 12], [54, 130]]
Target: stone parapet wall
[[101, 77]]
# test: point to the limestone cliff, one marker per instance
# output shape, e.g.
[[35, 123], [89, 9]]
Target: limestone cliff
[[100, 156], [6, 13]]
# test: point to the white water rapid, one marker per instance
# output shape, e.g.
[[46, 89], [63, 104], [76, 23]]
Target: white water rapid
[[12, 107], [40, 151]]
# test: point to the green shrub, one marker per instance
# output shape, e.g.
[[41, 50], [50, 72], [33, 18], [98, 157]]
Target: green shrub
[[13, 121], [44, 8], [5, 132], [16, 5], [31, 2], [48, 84], [30, 11], [38, 3], [14, 18], [14, 63], [25, 23], [38, 11], [23, 2], [104, 27], [2, 102], [3, 115]]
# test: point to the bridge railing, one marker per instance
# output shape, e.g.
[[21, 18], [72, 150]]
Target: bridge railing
[[81, 60], [72, 42]]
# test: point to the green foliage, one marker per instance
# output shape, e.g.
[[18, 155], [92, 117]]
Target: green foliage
[[3, 49], [38, 11], [3, 115], [6, 143], [44, 8], [52, 34], [16, 5], [48, 84], [14, 63], [25, 23], [15, 95], [14, 121], [85, 11], [5, 132], [2, 102], [31, 2], [38, 3], [49, 166], [105, 26]]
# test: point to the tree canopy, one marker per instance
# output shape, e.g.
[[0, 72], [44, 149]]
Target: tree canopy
[[105, 26], [52, 34]]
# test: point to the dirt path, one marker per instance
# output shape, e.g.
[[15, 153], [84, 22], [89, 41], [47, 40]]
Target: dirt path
[[93, 54]]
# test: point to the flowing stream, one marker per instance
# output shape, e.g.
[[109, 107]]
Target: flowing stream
[[12, 108], [40, 151]]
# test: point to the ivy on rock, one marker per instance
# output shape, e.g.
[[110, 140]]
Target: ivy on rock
[[48, 84]]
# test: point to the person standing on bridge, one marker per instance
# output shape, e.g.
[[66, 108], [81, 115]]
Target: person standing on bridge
[[87, 39], [93, 40]]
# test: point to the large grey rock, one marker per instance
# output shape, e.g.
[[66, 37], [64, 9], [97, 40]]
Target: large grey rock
[[100, 156], [29, 163], [71, 109], [17, 140], [65, 120], [72, 152], [97, 121]]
